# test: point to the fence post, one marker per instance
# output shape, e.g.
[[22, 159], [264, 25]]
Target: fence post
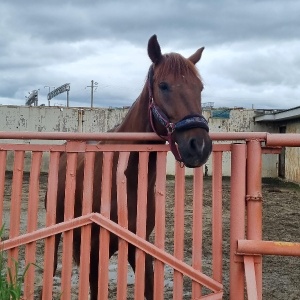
[[254, 203], [237, 219], [217, 216]]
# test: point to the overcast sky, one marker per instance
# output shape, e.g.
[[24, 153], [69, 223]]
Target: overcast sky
[[251, 57]]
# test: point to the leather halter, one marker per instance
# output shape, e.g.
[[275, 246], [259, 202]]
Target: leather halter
[[188, 122]]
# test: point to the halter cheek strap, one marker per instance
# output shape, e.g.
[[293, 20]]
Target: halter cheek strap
[[188, 122]]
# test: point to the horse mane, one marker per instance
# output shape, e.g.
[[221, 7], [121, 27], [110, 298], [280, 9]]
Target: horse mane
[[176, 64]]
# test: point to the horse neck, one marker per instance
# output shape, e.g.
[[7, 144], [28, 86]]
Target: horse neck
[[137, 119]]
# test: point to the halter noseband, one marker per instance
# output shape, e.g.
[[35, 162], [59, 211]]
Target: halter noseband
[[188, 122]]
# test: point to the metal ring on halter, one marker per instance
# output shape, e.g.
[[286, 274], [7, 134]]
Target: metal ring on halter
[[170, 128]]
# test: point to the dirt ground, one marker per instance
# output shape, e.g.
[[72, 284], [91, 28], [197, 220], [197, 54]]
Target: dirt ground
[[281, 221]]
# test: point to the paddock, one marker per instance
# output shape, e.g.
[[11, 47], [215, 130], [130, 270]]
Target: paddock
[[200, 224]]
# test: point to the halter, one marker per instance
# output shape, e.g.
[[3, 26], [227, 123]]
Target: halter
[[188, 122]]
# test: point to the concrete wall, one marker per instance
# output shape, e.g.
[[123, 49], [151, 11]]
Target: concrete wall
[[240, 120], [59, 119], [55, 119], [62, 119]]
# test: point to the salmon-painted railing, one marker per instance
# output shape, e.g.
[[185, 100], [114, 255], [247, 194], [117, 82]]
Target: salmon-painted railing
[[29, 230]]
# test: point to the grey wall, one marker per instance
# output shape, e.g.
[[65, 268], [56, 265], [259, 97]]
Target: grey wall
[[62, 119]]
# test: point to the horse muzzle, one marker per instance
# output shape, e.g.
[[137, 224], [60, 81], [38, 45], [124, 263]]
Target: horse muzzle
[[194, 146]]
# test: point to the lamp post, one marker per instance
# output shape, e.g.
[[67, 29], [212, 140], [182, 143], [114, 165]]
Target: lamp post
[[47, 86]]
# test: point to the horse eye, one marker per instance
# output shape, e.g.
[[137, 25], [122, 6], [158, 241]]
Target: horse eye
[[163, 86]]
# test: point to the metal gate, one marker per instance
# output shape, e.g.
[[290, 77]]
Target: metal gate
[[29, 230]]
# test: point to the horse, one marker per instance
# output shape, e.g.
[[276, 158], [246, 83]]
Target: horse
[[170, 106]]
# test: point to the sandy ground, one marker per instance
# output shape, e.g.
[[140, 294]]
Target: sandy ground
[[281, 221]]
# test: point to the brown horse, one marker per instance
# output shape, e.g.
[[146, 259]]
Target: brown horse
[[170, 105]]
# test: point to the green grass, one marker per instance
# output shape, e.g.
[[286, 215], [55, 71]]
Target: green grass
[[11, 278]]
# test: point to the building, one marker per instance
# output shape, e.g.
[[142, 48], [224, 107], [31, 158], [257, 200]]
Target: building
[[284, 121]]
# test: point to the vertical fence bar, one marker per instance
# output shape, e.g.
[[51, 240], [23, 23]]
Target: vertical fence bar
[[67, 250], [254, 203], [141, 224], [32, 215], [197, 228], [237, 218], [179, 228], [2, 183], [85, 245], [104, 234], [123, 221], [50, 220], [160, 222], [250, 277], [15, 208], [217, 256]]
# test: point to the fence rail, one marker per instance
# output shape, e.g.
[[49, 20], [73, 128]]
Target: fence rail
[[30, 230]]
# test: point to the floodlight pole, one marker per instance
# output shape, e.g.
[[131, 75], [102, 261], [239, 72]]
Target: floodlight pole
[[32, 98], [47, 86], [67, 98]]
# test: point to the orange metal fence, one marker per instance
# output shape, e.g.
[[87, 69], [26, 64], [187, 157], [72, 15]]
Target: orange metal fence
[[29, 230]]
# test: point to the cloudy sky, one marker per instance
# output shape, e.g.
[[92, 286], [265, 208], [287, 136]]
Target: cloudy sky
[[251, 57]]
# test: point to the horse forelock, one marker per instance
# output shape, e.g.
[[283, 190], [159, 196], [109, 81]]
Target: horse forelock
[[178, 66]]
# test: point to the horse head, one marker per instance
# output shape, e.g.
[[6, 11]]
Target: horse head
[[175, 88]]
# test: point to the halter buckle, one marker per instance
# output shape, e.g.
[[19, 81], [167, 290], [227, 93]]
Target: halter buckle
[[170, 128]]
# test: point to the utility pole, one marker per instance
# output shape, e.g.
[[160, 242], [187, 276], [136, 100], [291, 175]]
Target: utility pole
[[93, 86]]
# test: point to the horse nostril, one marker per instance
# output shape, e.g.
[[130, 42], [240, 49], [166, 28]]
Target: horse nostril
[[194, 145]]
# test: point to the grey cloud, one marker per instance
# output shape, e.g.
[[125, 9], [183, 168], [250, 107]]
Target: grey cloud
[[211, 22], [251, 47]]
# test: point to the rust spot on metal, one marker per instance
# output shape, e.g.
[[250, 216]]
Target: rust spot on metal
[[285, 244], [160, 193], [254, 198]]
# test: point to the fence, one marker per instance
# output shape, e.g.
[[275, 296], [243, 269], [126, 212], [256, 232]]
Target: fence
[[180, 264]]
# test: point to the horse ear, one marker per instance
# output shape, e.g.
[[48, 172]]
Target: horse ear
[[196, 56], [154, 51]]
